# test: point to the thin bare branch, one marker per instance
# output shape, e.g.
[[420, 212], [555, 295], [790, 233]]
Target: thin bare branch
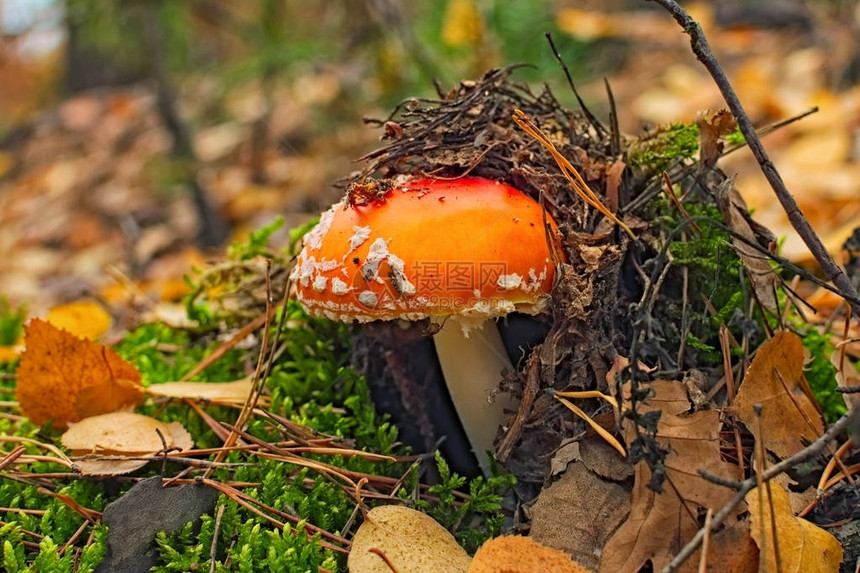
[[750, 483]]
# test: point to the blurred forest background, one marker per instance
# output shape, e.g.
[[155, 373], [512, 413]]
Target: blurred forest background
[[139, 136]]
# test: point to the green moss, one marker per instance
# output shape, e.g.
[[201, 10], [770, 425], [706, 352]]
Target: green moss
[[483, 507], [667, 145], [11, 322], [714, 274], [820, 372]]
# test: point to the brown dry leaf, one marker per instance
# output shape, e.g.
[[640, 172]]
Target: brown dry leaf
[[730, 549], [62, 377], [86, 319], [578, 513], [790, 417], [801, 546], [757, 265], [224, 391], [123, 433], [660, 524], [711, 131], [101, 442]]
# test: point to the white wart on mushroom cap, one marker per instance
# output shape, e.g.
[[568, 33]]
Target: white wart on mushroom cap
[[428, 248]]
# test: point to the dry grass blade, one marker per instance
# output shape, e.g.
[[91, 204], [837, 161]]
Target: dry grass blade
[[258, 379], [289, 456], [11, 457], [609, 438], [61, 457], [670, 191], [90, 515], [576, 181], [585, 394]]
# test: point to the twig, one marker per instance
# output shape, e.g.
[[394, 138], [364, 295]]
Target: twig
[[702, 50], [213, 548], [750, 483], [591, 119]]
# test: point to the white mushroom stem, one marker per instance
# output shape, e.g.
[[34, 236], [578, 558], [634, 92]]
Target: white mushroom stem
[[472, 360]]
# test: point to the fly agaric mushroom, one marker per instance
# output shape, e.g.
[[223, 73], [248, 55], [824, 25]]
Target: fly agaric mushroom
[[458, 252]]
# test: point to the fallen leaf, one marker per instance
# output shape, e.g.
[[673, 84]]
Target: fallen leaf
[[660, 524], [463, 25], [729, 549], [86, 319], [790, 417], [712, 129], [757, 265], [408, 540], [225, 391], [122, 433], [100, 443], [787, 543], [578, 513], [518, 554], [565, 454], [62, 377]]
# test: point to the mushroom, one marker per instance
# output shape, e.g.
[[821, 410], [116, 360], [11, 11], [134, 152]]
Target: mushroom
[[460, 253]]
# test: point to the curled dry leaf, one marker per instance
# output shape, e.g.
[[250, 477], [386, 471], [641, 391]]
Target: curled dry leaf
[[757, 266], [518, 554], [119, 434], [787, 543], [397, 538], [712, 128], [65, 378], [790, 417], [226, 391]]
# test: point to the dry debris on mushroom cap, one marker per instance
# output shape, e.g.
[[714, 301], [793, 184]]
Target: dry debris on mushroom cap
[[518, 554], [397, 538], [424, 247]]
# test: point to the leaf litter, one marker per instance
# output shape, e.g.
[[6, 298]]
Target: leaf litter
[[582, 299]]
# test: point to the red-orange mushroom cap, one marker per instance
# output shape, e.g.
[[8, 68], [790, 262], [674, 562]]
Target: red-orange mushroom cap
[[428, 248]]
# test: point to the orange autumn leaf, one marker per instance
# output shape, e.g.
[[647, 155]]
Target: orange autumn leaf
[[790, 417], [65, 378]]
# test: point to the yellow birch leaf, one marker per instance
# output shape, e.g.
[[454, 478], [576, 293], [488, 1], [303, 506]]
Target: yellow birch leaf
[[86, 319], [463, 25], [65, 378], [801, 546]]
